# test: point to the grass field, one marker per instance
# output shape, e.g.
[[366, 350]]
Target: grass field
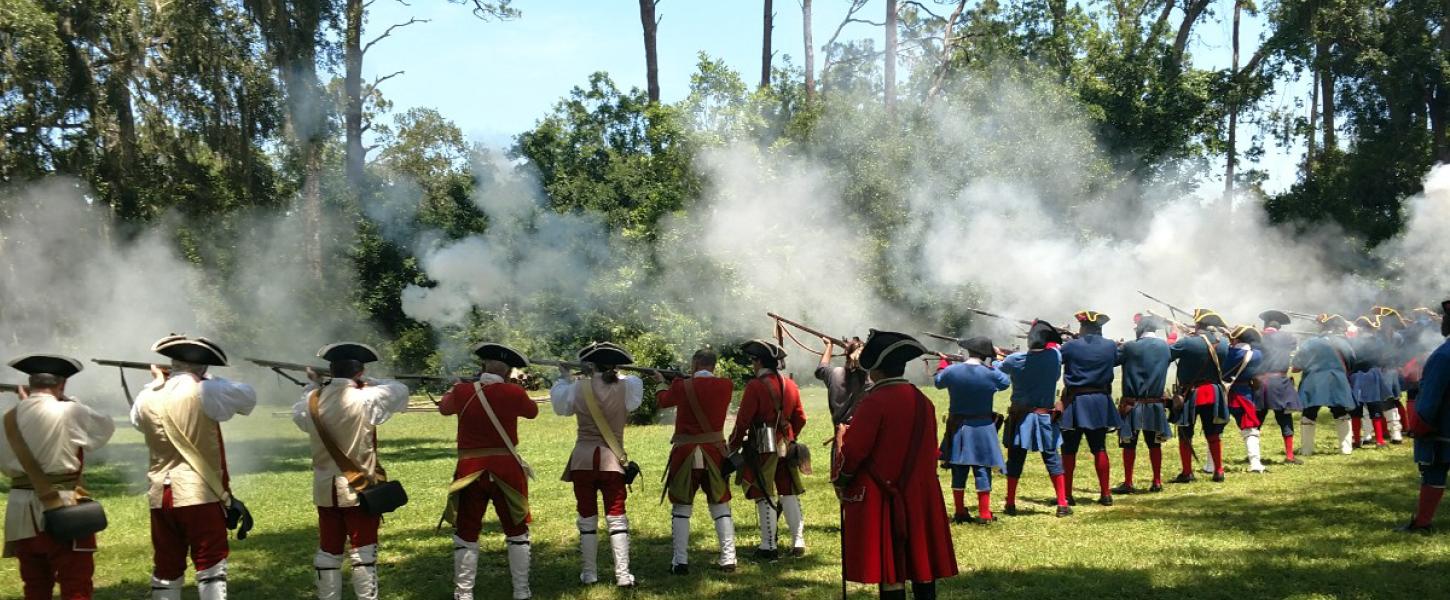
[[1321, 530]]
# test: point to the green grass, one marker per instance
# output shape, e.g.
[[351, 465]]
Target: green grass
[[1321, 530]]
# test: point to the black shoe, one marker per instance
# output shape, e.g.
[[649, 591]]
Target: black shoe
[[1411, 527], [1125, 489], [1218, 477], [679, 569], [1105, 500], [1010, 510], [797, 552], [763, 554], [1397, 442], [1184, 478], [1071, 501], [1155, 488], [963, 518], [730, 568], [1064, 511], [987, 521], [1293, 461]]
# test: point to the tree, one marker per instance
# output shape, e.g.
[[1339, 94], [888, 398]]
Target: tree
[[810, 51], [765, 53], [651, 25], [891, 15]]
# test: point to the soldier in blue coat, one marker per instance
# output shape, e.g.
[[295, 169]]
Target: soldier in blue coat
[[1392, 360], [1241, 371], [1276, 391], [1200, 355], [1030, 427], [1430, 426], [1324, 360], [969, 442], [1087, 401], [1145, 363]]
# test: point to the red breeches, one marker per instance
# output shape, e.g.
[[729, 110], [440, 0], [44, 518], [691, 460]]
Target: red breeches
[[45, 562], [338, 526], [473, 504], [200, 530], [607, 484]]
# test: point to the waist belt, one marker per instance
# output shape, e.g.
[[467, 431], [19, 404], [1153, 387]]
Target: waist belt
[[466, 453], [1069, 394], [63, 480], [713, 437], [1136, 400]]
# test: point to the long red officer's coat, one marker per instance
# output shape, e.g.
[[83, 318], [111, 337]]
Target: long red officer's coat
[[893, 538]]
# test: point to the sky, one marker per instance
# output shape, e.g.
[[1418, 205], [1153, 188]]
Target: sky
[[497, 79]]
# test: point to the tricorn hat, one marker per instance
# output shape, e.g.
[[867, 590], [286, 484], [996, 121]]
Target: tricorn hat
[[1204, 317], [1389, 317], [1247, 334], [47, 364], [1368, 321], [1148, 323], [362, 353], [500, 353], [1042, 333], [1331, 322], [1091, 317], [605, 353], [766, 349], [1270, 317], [197, 350], [980, 346], [889, 349]]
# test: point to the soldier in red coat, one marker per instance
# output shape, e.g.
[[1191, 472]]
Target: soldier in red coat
[[701, 402], [896, 527], [490, 469], [766, 427]]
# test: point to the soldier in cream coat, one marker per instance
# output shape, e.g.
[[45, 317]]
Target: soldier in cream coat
[[350, 407], [58, 431]]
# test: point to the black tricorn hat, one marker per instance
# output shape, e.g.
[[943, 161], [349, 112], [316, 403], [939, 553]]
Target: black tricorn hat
[[1204, 317], [605, 353], [1041, 334], [980, 346], [1330, 322], [1148, 323], [47, 364], [362, 353], [1274, 316], [197, 350], [500, 353], [766, 349], [889, 349], [1247, 334], [1091, 317]]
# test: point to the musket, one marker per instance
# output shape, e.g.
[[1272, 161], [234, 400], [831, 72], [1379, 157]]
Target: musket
[[1171, 308], [815, 332], [1301, 315], [579, 366], [281, 368], [13, 388], [128, 364], [420, 378], [944, 338], [1060, 330]]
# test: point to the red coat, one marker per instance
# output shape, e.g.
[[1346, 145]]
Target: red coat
[[713, 394], [758, 406], [510, 403], [873, 452]]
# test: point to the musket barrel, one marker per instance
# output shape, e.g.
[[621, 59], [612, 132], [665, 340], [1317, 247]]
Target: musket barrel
[[548, 362], [815, 332], [13, 388], [287, 366], [944, 338], [127, 364]]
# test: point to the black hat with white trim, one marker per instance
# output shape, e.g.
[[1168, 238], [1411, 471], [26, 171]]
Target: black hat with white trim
[[362, 353], [605, 353], [47, 364], [765, 349], [500, 353], [889, 349], [197, 350]]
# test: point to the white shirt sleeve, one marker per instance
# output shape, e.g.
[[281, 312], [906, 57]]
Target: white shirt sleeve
[[300, 414], [561, 396], [90, 429], [383, 398], [141, 397], [633, 392], [221, 399]]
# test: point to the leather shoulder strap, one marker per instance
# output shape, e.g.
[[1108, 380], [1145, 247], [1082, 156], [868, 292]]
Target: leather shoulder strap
[[498, 427], [355, 477], [43, 489], [586, 387], [778, 395], [193, 456], [693, 400]]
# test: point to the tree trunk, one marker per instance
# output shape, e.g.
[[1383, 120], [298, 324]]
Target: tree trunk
[[352, 85], [891, 57], [1310, 144], [1326, 95], [765, 53], [651, 57], [1233, 109], [1191, 12], [1440, 101], [948, 42], [1059, 37], [810, 51]]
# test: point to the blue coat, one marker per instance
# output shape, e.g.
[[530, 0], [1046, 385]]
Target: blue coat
[[971, 387], [1325, 383], [1278, 349], [1195, 362], [1088, 362], [1034, 377], [1145, 367], [1430, 407], [1241, 379]]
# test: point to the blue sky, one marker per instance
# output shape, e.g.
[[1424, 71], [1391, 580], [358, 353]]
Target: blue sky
[[496, 79]]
